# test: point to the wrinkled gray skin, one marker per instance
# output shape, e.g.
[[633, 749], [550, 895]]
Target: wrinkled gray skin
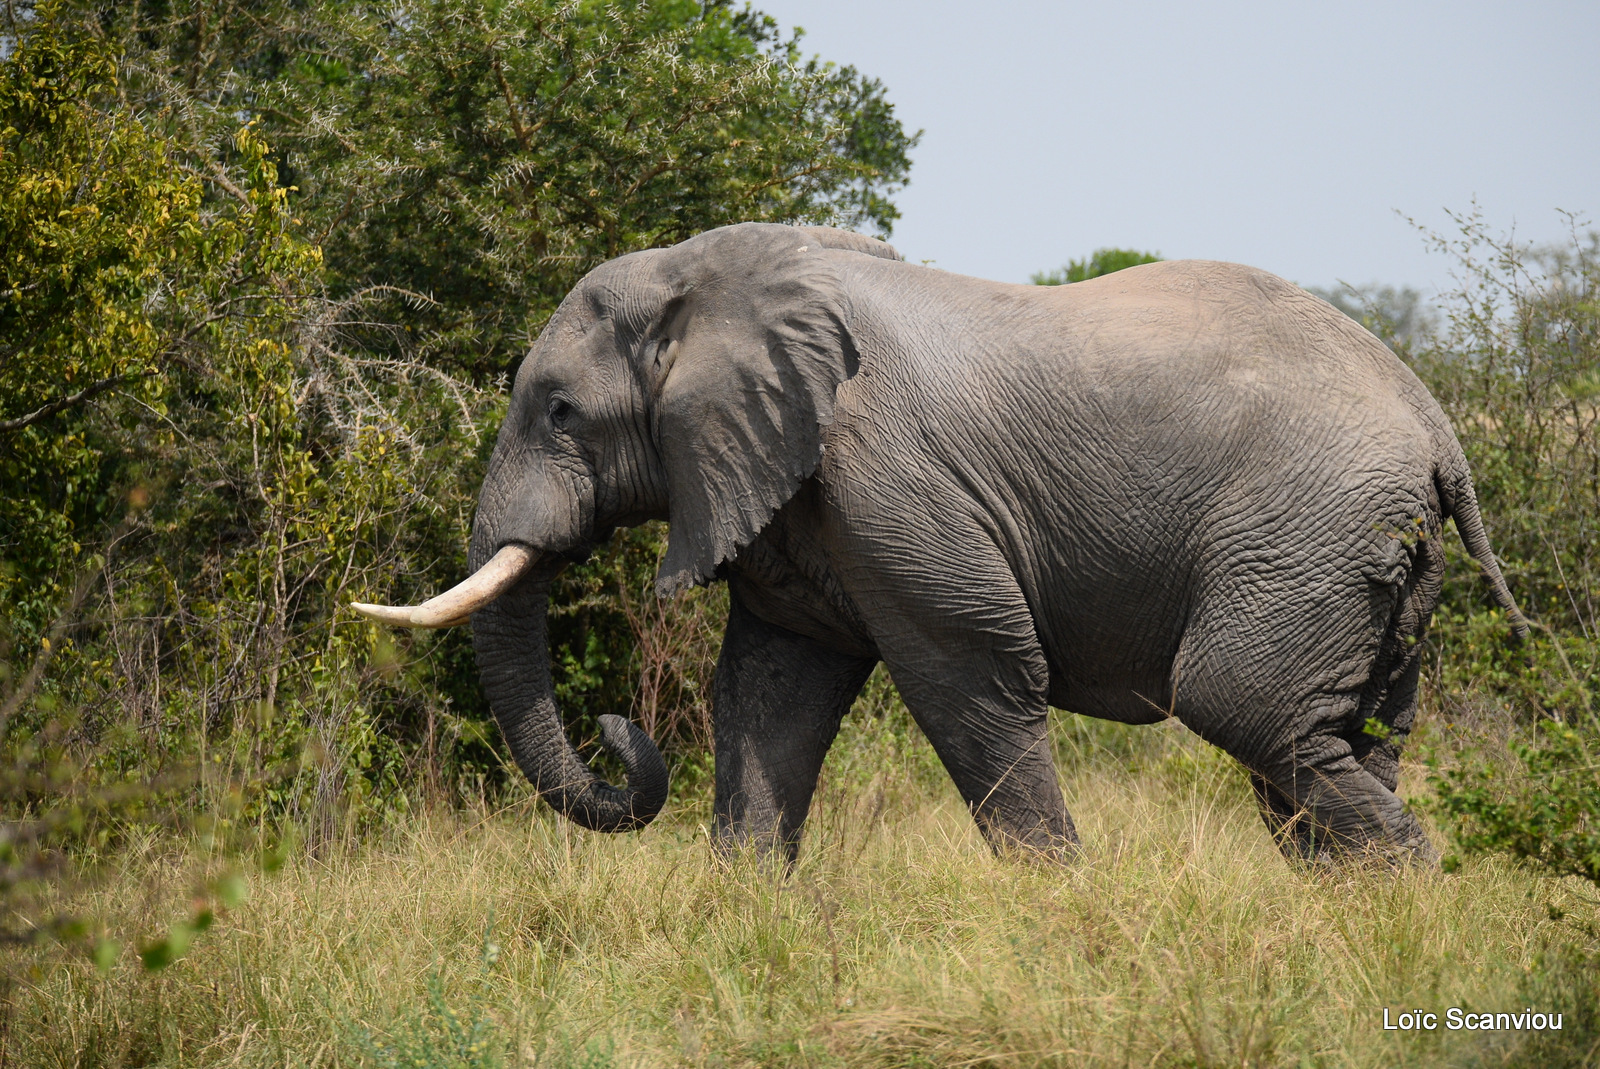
[[1187, 488]]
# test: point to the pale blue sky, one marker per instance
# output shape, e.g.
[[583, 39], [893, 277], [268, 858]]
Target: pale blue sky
[[1283, 135]]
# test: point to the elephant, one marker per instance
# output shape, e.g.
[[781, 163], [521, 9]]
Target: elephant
[[1187, 489]]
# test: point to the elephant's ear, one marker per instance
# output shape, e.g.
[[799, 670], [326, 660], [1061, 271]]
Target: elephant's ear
[[746, 358]]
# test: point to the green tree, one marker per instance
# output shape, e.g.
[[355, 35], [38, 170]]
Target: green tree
[[1100, 262], [489, 154], [92, 221], [179, 534], [123, 299]]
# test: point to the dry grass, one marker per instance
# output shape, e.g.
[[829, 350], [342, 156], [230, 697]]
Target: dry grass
[[1180, 937]]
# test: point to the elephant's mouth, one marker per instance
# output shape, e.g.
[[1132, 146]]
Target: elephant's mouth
[[452, 608]]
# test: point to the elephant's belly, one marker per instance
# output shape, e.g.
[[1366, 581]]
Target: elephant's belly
[[1127, 704], [1111, 652], [1113, 665]]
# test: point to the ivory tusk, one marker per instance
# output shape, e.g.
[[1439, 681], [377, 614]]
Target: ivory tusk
[[455, 605]]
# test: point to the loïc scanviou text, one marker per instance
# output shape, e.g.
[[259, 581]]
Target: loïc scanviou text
[[1457, 1019]]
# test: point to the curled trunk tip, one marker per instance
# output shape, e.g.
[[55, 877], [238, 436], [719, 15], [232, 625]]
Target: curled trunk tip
[[511, 642]]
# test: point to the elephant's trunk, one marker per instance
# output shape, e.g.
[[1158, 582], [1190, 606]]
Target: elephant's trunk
[[511, 640]]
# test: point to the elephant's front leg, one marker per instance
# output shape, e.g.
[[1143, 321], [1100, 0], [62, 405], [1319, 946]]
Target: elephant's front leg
[[965, 655], [993, 739], [778, 702]]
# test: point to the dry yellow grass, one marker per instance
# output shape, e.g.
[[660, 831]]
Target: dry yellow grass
[[1180, 937]]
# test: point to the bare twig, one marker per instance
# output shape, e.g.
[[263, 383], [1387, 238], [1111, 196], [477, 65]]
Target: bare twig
[[83, 396]]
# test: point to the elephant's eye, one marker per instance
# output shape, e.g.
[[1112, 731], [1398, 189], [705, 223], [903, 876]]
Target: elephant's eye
[[561, 412]]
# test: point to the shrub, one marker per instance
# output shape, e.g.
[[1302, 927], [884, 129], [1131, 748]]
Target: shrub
[[1517, 367]]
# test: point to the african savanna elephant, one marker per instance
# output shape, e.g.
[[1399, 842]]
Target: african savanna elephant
[[1187, 488]]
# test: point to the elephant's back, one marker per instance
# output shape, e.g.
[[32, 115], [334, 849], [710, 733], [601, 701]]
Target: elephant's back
[[1148, 366], [1179, 385], [1202, 323], [1161, 330], [1232, 396]]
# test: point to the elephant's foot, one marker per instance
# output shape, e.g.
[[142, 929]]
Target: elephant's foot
[[1025, 833], [769, 847], [1344, 816], [1051, 850]]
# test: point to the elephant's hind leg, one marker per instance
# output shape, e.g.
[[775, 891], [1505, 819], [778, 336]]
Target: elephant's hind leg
[[1392, 690], [1388, 704], [1339, 807], [1295, 715], [1319, 800], [778, 701], [1376, 751], [1378, 747], [1289, 825]]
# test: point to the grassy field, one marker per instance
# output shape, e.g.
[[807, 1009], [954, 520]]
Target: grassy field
[[1180, 937]]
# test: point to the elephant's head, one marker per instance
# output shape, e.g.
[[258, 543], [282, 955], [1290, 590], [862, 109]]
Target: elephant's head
[[689, 384]]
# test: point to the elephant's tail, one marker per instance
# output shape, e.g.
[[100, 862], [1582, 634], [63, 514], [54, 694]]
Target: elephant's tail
[[1459, 501]]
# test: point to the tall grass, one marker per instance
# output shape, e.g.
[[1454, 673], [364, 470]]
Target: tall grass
[[1179, 937]]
